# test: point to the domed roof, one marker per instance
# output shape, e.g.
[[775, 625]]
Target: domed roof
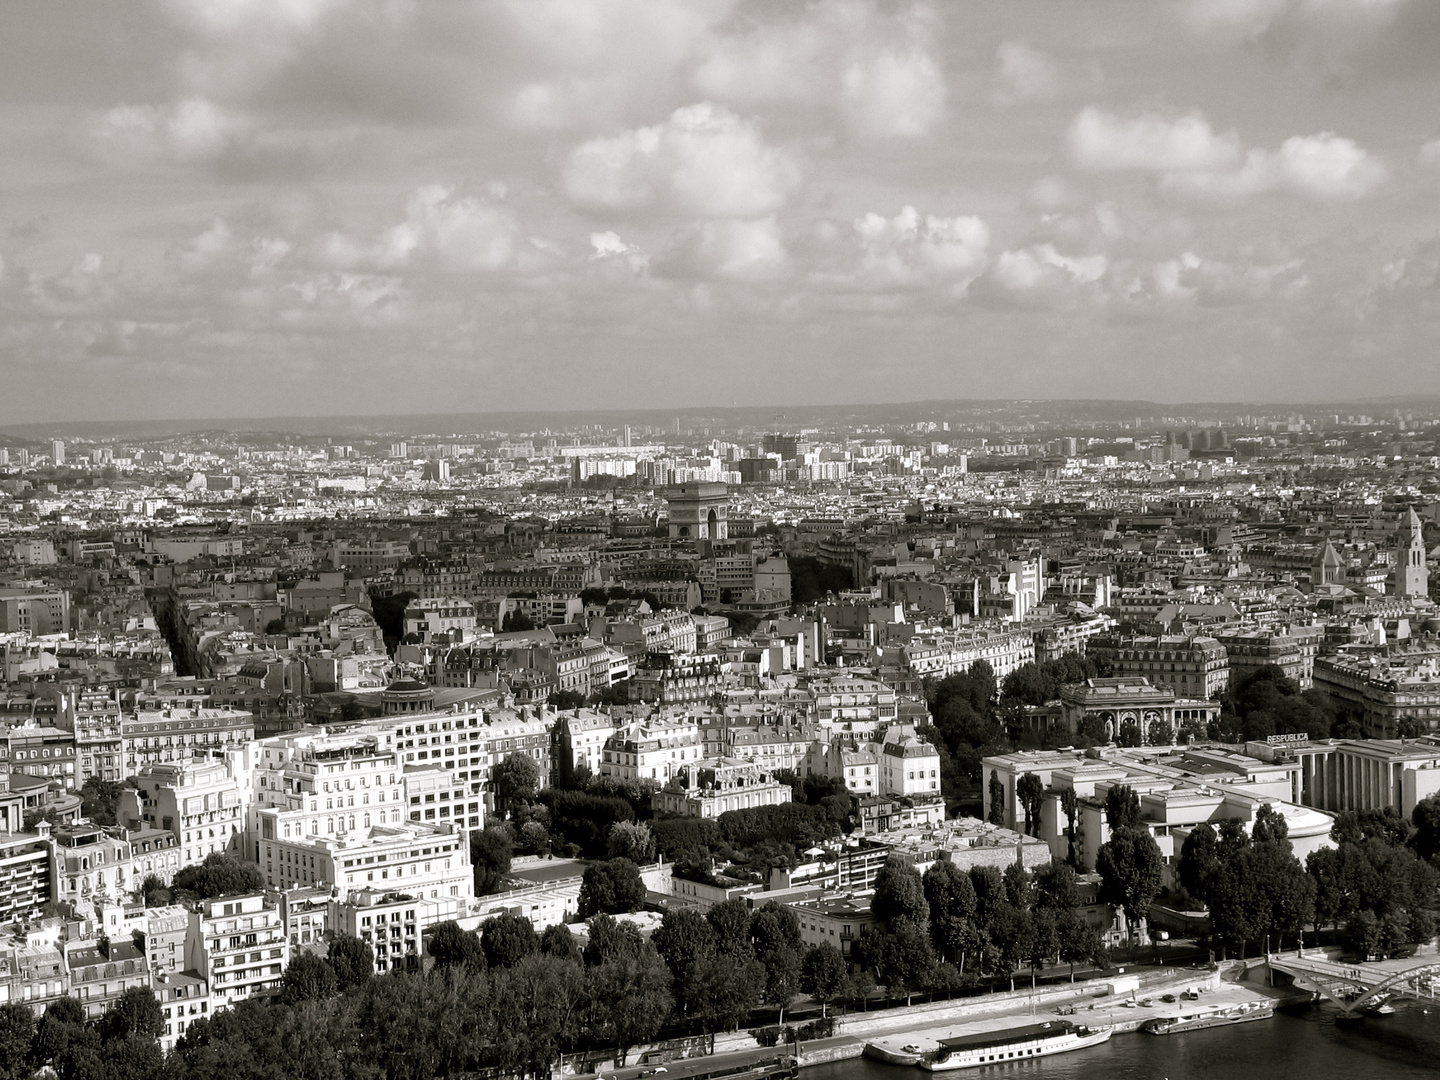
[[406, 686]]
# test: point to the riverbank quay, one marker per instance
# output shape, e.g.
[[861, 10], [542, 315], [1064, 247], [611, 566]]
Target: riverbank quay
[[1093, 1001]]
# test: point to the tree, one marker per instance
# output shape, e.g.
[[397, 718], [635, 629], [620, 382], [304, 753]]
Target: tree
[[1011, 931], [1044, 941], [1362, 934], [1070, 805], [17, 1030], [517, 778], [100, 800], [899, 895], [275, 626], [1426, 819], [951, 897], [730, 921], [989, 886], [352, 960], [822, 973], [631, 840], [135, 1012], [506, 939], [1080, 943], [1030, 792], [1269, 825], [900, 956], [491, 850], [516, 621], [219, 875], [565, 700], [611, 940], [630, 998], [685, 940], [612, 887], [1199, 857], [154, 892], [1122, 808], [1019, 886], [1056, 887], [559, 942], [452, 946], [996, 790], [307, 978], [775, 939], [726, 992], [1129, 867]]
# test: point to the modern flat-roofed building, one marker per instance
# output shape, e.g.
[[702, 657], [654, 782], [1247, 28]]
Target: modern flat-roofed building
[[834, 920]]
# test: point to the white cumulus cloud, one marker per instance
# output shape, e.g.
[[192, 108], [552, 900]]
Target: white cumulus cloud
[[733, 250], [703, 161], [1101, 141], [439, 228], [1324, 167], [895, 94]]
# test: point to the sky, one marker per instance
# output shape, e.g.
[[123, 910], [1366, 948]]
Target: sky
[[220, 208]]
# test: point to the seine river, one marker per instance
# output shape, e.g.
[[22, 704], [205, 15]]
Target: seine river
[[1305, 1044]]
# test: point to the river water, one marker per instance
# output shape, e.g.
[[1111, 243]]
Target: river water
[[1303, 1044]]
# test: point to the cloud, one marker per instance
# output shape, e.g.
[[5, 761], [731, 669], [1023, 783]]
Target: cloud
[[734, 250], [1216, 282], [199, 132], [1192, 159], [1430, 152], [877, 66], [1042, 274], [908, 252], [704, 161], [894, 94], [1024, 74], [1335, 39], [440, 230], [194, 129], [1323, 167], [1103, 142]]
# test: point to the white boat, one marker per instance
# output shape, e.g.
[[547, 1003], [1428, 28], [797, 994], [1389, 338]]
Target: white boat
[[1013, 1044], [1214, 1016]]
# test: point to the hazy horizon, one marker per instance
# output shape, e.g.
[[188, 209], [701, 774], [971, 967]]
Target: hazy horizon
[[779, 416]]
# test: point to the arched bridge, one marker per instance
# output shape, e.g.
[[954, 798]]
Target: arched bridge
[[1357, 987]]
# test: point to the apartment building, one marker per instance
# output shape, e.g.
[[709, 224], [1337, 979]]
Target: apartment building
[[434, 793], [323, 785], [238, 946], [578, 738], [26, 882], [201, 802], [176, 734], [103, 970], [651, 750], [414, 857], [1190, 667], [394, 924]]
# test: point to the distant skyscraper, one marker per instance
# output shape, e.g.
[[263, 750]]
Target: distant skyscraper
[[627, 434], [57, 451]]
